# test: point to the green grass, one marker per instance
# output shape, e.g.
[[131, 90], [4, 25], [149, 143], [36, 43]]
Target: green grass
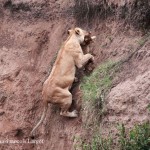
[[148, 107], [144, 39], [98, 83], [138, 138], [96, 143], [95, 88]]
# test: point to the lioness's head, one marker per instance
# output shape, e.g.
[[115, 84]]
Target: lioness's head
[[83, 36]]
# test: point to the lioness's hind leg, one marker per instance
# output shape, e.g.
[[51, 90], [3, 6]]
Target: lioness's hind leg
[[65, 107]]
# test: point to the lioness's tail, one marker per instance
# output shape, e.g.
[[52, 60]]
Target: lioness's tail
[[42, 118]]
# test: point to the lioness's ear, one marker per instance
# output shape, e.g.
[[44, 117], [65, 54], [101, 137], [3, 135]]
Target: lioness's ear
[[77, 31], [69, 31]]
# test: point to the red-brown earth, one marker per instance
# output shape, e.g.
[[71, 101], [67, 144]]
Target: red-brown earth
[[31, 33]]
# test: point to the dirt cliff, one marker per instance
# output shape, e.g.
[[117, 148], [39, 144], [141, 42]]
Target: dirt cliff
[[32, 32]]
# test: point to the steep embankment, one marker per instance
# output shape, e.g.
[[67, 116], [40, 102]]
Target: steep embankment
[[31, 34]]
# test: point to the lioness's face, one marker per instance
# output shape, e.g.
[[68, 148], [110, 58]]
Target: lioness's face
[[83, 36]]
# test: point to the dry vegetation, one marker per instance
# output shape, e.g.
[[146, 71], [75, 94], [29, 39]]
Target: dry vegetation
[[136, 13]]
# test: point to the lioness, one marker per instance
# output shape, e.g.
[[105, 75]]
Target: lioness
[[56, 87]]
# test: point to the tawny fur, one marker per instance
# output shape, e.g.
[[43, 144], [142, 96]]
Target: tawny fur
[[56, 87]]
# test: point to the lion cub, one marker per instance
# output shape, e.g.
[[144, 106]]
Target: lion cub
[[56, 87]]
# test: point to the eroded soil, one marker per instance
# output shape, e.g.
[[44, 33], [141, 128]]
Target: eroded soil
[[32, 32]]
